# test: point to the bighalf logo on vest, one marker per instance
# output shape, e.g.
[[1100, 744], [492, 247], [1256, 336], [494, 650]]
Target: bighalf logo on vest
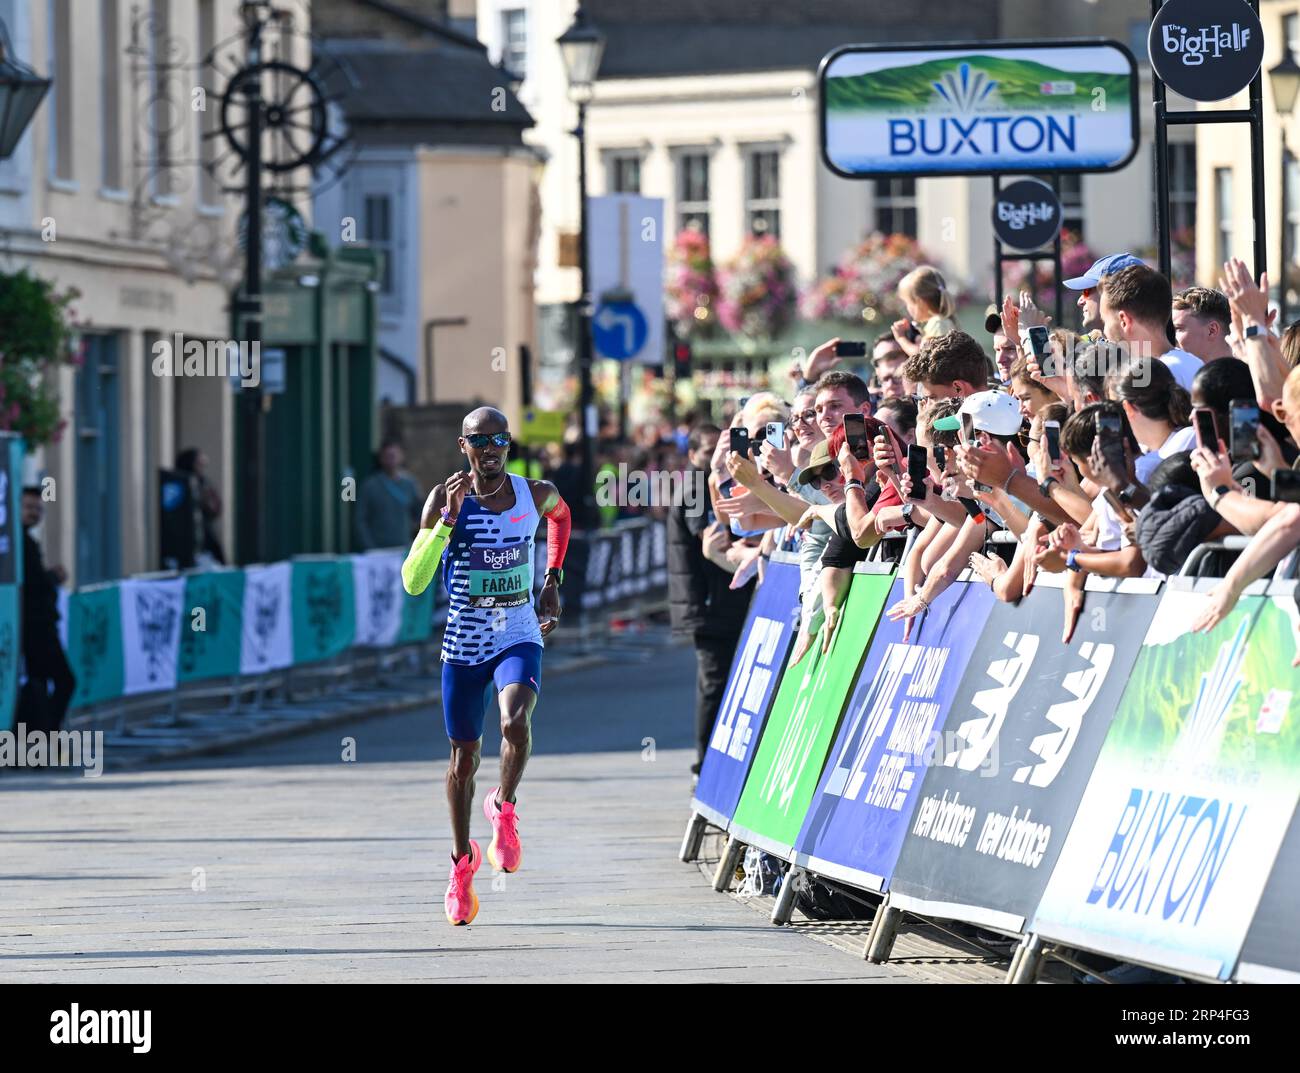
[[979, 135]]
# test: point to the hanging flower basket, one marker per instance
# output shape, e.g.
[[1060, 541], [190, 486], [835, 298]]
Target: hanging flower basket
[[756, 290], [691, 293], [37, 334]]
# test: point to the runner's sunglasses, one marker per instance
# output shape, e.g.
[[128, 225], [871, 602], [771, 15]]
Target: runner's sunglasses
[[482, 439]]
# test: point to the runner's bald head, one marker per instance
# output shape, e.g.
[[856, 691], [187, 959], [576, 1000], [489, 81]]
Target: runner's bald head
[[484, 419]]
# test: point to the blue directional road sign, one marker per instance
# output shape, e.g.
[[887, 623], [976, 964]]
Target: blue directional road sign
[[619, 330]]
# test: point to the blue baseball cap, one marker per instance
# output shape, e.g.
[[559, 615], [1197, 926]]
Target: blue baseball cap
[[1107, 266]]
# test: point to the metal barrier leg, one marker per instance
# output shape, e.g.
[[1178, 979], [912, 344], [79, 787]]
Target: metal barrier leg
[[727, 866], [783, 910], [1027, 962], [693, 837], [884, 930]]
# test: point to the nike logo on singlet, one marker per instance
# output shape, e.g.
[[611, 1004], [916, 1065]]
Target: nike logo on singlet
[[520, 518]]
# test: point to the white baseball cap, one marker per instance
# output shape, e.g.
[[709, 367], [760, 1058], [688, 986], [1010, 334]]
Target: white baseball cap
[[994, 412]]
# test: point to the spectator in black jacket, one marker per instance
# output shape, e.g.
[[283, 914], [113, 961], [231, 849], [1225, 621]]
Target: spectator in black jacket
[[50, 682], [702, 606]]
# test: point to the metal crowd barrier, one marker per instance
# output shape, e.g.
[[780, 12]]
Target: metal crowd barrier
[[594, 599]]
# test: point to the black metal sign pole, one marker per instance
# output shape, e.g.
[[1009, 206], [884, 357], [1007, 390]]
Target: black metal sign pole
[[997, 247], [1056, 254], [1254, 116], [254, 447]]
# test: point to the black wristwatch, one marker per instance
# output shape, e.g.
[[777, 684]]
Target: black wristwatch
[[907, 513], [557, 573], [1045, 486]]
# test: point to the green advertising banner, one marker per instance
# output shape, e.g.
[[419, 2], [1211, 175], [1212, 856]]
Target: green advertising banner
[[95, 645], [324, 619], [1191, 794], [802, 725], [417, 616], [210, 630]]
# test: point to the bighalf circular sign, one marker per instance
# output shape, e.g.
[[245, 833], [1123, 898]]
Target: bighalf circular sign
[[1026, 215], [1206, 50]]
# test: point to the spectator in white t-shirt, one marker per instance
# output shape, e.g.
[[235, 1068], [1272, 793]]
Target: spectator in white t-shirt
[[1135, 308]]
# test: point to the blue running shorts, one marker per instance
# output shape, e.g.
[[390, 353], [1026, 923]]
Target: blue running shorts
[[465, 686]]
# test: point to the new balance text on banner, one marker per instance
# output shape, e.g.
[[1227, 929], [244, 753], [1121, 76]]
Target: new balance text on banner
[[95, 645], [1271, 952], [323, 615], [978, 109], [210, 629], [1191, 795], [267, 620], [798, 733], [755, 672], [378, 596], [151, 624], [864, 801], [1018, 746]]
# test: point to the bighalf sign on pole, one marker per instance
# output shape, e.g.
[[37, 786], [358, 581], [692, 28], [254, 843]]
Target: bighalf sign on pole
[[978, 109], [1206, 50]]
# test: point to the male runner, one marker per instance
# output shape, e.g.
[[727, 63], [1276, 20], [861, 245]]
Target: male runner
[[481, 525]]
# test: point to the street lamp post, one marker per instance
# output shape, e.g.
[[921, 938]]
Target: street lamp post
[[1285, 80], [21, 92], [581, 47]]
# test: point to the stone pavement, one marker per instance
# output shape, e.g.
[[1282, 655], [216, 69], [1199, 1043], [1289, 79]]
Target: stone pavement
[[332, 873]]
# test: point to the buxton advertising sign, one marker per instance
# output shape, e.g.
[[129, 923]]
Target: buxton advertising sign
[[1179, 827], [979, 109]]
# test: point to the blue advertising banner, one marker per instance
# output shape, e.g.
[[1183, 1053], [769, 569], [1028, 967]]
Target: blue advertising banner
[[760, 655], [978, 109], [859, 815]]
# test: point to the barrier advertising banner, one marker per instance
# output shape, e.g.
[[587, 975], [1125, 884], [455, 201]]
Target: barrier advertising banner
[[418, 614], [864, 800], [1017, 748], [755, 671], [323, 614], [267, 619], [793, 747], [12, 452], [10, 643], [151, 628], [377, 585], [210, 630], [1191, 795], [1271, 952], [978, 109], [95, 645]]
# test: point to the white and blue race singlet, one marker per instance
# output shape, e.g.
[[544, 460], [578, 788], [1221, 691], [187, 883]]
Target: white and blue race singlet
[[488, 571]]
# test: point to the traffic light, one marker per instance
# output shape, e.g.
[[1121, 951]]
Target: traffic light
[[682, 360]]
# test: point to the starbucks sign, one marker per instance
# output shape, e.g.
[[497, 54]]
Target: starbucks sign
[[1206, 50]]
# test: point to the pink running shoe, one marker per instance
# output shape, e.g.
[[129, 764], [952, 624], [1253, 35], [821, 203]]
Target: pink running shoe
[[504, 851], [460, 902]]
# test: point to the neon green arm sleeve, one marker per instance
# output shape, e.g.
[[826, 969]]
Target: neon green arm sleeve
[[422, 561]]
